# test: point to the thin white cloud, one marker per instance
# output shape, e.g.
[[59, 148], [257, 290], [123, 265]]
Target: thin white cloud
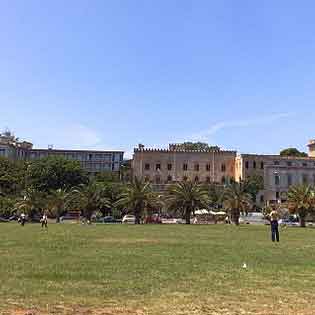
[[256, 121]]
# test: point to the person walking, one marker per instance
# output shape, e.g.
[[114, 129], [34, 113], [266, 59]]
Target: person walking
[[274, 217]]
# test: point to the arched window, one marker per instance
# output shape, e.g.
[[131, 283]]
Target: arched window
[[223, 168], [169, 178]]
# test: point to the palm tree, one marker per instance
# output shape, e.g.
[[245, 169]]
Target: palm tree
[[58, 201], [187, 197], [137, 197], [31, 203], [301, 201], [237, 200], [89, 198]]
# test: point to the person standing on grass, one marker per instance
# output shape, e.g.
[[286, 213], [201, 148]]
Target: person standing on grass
[[22, 218], [274, 217], [44, 221]]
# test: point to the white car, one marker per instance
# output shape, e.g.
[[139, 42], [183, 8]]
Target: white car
[[129, 219], [253, 218]]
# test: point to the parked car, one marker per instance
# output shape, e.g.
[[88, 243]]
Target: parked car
[[13, 217], [153, 219], [110, 219], [290, 221], [129, 219], [253, 218]]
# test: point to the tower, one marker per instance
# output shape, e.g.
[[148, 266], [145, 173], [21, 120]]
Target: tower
[[311, 148]]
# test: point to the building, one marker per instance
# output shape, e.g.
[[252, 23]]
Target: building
[[278, 173], [92, 161], [164, 166]]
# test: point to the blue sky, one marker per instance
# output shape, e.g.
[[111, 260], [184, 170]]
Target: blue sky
[[110, 74]]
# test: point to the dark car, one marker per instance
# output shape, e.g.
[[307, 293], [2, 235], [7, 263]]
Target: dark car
[[3, 220], [13, 217], [110, 219]]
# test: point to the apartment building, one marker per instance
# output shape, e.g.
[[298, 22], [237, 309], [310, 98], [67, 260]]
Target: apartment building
[[93, 161]]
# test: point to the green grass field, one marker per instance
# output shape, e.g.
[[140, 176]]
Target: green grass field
[[166, 269]]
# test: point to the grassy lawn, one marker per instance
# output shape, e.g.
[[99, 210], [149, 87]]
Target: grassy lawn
[[166, 269]]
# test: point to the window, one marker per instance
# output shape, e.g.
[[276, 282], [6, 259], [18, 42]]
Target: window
[[254, 164], [208, 167], [147, 166], [262, 199], [313, 179], [305, 179], [246, 165], [304, 164], [196, 179], [223, 180], [277, 195], [90, 156], [196, 167], [223, 168], [169, 178], [158, 167], [147, 179], [289, 180], [185, 178], [277, 163], [185, 167], [169, 167], [277, 180], [208, 179], [289, 163], [261, 165], [158, 179]]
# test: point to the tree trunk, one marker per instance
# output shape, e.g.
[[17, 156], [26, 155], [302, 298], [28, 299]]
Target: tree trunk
[[137, 216], [57, 218], [302, 221], [187, 216], [235, 216], [137, 220]]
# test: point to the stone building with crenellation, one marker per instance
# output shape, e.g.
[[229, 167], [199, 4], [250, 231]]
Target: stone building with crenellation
[[164, 166], [278, 173]]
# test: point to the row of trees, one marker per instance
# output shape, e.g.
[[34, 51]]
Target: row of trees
[[57, 185]]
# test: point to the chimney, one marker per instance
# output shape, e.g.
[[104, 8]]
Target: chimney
[[311, 148]]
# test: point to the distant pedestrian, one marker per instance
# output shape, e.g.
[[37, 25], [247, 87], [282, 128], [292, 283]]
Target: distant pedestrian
[[274, 217], [44, 221], [22, 219]]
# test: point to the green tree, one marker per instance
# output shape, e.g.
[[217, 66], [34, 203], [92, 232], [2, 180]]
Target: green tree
[[7, 205], [195, 146], [301, 201], [293, 152], [89, 199], [237, 200], [32, 203], [253, 185], [53, 173], [187, 197], [58, 202], [137, 197], [12, 174]]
